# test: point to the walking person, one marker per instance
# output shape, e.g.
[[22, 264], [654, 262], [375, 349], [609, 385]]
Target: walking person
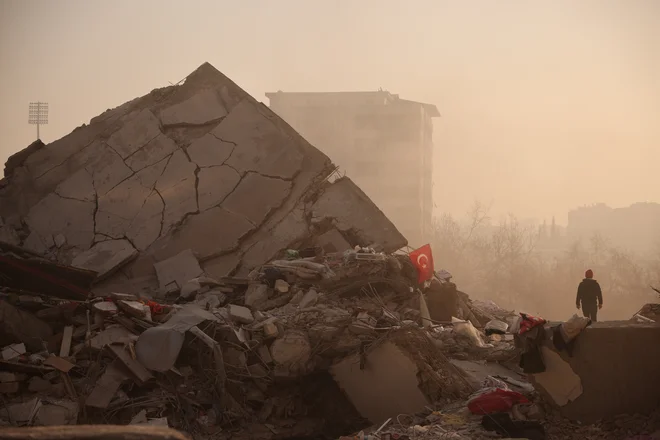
[[589, 296]]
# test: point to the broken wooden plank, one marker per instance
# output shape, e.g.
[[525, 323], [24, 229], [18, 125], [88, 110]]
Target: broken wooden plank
[[139, 371], [58, 363], [68, 386], [19, 367], [107, 386], [65, 349]]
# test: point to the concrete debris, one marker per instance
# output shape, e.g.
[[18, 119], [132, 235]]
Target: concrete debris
[[256, 295], [185, 260], [177, 270], [13, 351], [105, 257], [281, 286], [239, 314]]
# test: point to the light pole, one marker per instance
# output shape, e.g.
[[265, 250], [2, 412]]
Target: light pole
[[38, 115]]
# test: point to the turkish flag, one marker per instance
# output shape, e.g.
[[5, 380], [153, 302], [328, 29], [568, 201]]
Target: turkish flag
[[422, 259]]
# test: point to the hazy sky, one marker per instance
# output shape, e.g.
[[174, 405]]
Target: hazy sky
[[546, 105]]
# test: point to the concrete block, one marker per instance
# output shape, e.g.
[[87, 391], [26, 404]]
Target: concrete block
[[270, 330], [106, 257], [178, 269], [281, 286], [201, 108], [389, 385], [309, 299], [256, 294], [240, 314]]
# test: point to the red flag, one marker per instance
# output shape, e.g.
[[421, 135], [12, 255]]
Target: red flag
[[422, 259]]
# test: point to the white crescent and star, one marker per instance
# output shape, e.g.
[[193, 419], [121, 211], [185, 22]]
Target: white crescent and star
[[419, 260]]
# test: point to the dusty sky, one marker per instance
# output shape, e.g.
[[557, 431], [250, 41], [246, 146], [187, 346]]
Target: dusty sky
[[546, 105]]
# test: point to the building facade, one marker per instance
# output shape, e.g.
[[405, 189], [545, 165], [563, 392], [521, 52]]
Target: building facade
[[382, 142]]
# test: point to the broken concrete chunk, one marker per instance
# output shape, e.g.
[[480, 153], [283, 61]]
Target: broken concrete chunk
[[111, 335], [9, 235], [21, 413], [13, 351], [135, 309], [256, 294], [106, 257], [57, 413], [240, 314], [309, 299], [178, 269], [281, 286], [105, 307], [23, 326], [270, 330], [39, 385], [190, 289], [122, 296], [292, 349]]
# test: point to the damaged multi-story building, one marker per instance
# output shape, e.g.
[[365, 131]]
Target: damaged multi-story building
[[383, 142]]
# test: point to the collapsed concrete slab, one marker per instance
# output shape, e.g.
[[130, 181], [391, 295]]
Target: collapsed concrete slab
[[200, 166], [401, 375], [612, 370]]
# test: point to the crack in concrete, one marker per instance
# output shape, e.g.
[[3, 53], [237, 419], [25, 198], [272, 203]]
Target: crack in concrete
[[223, 140], [162, 213], [196, 172], [70, 198], [311, 191], [212, 123], [140, 149]]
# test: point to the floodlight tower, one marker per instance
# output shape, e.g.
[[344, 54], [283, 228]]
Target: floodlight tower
[[38, 115]]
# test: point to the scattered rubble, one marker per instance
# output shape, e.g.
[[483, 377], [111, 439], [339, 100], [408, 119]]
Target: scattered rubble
[[187, 260]]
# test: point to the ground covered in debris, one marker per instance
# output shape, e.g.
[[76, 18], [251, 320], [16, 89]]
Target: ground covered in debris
[[188, 260]]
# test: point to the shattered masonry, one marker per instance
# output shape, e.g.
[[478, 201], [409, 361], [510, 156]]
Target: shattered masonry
[[239, 292], [200, 166]]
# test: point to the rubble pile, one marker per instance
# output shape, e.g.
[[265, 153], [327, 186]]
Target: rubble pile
[[228, 352], [188, 260]]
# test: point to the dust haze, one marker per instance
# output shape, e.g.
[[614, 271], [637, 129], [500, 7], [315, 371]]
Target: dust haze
[[544, 108]]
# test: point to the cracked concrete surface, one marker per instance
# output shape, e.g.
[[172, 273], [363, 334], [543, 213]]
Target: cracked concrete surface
[[198, 170]]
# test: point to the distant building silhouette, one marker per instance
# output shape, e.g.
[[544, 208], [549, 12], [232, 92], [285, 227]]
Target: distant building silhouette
[[382, 142], [636, 227]]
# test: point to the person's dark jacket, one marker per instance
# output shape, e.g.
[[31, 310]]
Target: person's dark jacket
[[589, 292]]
